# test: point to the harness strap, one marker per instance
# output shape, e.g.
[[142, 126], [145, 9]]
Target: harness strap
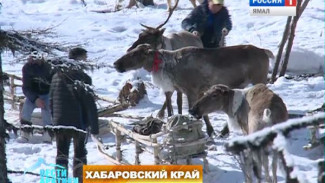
[[156, 62]]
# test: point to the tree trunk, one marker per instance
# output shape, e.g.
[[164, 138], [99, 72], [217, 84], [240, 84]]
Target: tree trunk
[[302, 8], [278, 56], [291, 38], [3, 158]]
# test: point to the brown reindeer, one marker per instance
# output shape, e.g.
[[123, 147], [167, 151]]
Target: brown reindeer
[[249, 110], [193, 70], [132, 3], [169, 4], [156, 39]]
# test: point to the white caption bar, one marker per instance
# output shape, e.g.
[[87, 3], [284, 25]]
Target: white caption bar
[[273, 11]]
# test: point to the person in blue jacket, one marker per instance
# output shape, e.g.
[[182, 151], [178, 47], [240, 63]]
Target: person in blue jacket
[[209, 20], [36, 87]]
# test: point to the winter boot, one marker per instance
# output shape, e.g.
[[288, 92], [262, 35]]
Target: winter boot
[[23, 137], [46, 138]]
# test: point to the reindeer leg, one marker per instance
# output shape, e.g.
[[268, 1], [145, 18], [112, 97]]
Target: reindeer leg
[[257, 164], [265, 162], [131, 3], [210, 130], [224, 132], [193, 3], [275, 166], [161, 112], [179, 102], [169, 103], [246, 164]]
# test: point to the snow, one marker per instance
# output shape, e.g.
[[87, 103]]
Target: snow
[[107, 37]]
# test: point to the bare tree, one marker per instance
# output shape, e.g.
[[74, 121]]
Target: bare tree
[[288, 36], [300, 9], [282, 44], [3, 157]]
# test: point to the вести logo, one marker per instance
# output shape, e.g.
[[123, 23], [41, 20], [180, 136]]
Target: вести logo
[[52, 172]]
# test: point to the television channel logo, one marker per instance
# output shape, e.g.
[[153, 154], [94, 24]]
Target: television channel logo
[[273, 7]]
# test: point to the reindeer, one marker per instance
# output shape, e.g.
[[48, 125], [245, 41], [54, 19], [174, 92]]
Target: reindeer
[[132, 3], [249, 110], [169, 4], [193, 70], [155, 37]]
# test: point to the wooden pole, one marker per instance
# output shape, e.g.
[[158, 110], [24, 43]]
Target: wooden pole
[[137, 153], [12, 92], [118, 145], [156, 152]]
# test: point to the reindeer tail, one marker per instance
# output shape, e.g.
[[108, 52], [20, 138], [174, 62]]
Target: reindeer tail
[[269, 53], [267, 115]]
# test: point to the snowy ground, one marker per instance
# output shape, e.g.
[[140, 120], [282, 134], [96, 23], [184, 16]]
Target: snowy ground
[[107, 36]]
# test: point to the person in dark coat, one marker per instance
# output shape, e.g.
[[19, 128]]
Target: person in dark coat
[[209, 21], [36, 87], [73, 105]]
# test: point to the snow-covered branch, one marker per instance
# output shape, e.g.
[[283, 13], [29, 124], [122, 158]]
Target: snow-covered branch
[[50, 128], [17, 42], [264, 137], [276, 134]]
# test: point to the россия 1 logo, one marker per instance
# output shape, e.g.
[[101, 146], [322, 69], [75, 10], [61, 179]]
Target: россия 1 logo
[[273, 7]]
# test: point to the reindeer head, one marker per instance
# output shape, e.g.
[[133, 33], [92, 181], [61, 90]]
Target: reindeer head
[[215, 99], [141, 56], [152, 36]]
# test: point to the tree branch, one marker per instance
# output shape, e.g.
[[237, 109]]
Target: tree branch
[[264, 137]]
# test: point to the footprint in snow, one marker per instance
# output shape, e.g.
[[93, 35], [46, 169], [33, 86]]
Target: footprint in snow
[[27, 150], [119, 29], [250, 25]]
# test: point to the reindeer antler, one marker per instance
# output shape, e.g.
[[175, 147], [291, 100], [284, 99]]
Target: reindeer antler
[[159, 26], [170, 14], [145, 26]]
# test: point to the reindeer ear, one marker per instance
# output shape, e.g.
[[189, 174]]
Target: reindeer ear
[[162, 31]]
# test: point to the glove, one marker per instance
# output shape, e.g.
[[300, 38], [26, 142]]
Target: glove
[[225, 31]]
